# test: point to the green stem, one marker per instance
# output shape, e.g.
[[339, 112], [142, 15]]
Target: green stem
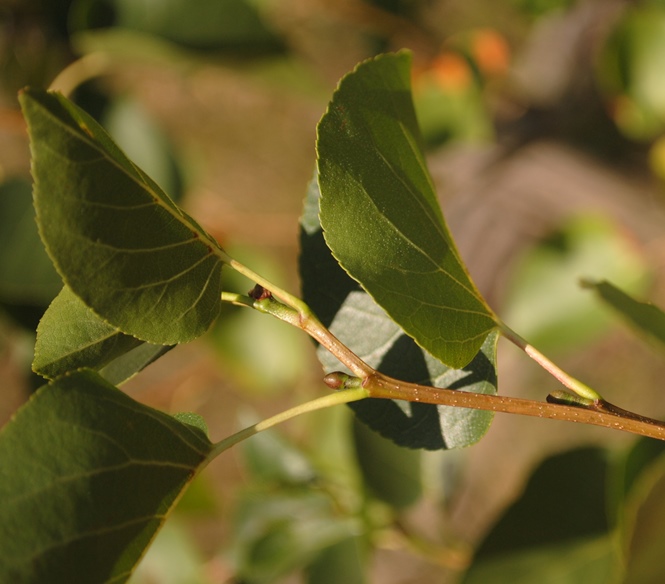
[[326, 401], [586, 406], [564, 378], [282, 295], [295, 312], [238, 299], [597, 413]]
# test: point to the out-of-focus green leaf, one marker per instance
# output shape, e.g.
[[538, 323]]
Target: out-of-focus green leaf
[[27, 275], [628, 471], [639, 457], [381, 217], [262, 355], [644, 316], [87, 477], [558, 529], [270, 458], [213, 24], [536, 8], [144, 143], [578, 561], [544, 301], [345, 561], [124, 46], [119, 242], [392, 473], [280, 533], [451, 116], [630, 70], [173, 558], [644, 527], [364, 327]]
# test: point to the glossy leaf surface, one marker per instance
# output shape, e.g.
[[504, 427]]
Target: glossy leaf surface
[[381, 218], [116, 238], [87, 476], [364, 327]]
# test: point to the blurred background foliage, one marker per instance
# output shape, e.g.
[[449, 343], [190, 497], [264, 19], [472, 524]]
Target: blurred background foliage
[[545, 124]]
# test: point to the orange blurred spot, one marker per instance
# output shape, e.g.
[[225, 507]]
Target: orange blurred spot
[[490, 51], [452, 72]]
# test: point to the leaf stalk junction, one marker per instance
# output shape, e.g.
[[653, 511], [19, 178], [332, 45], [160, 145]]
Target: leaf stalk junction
[[579, 404]]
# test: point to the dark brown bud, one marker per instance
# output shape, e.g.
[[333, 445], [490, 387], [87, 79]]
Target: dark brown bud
[[259, 293]]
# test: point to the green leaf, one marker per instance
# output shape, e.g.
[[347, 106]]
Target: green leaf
[[116, 238], [578, 561], [283, 531], [557, 531], [215, 24], [144, 142], [272, 459], [643, 528], [639, 457], [173, 558], [544, 302], [87, 477], [366, 329], [192, 419], [71, 336], [381, 218], [345, 561], [630, 70], [132, 362], [392, 473], [26, 273], [644, 316]]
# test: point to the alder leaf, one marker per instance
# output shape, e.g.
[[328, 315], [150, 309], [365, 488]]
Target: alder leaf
[[557, 531], [87, 477], [26, 272], [118, 241], [362, 325], [645, 317], [70, 336], [381, 218]]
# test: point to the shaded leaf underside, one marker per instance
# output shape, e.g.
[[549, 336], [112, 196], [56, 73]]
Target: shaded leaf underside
[[70, 335], [365, 328]]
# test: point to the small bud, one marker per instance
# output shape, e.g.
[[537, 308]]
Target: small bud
[[259, 293], [338, 380], [568, 399]]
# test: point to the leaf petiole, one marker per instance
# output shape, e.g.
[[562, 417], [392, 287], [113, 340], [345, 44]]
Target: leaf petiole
[[332, 399], [296, 312], [237, 299], [585, 405], [574, 385]]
